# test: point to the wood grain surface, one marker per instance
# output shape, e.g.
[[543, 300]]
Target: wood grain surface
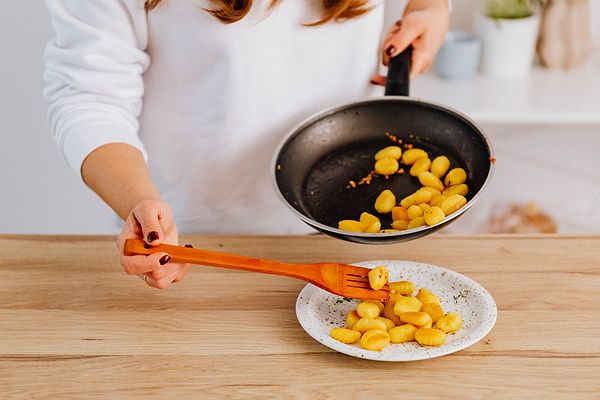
[[74, 326]]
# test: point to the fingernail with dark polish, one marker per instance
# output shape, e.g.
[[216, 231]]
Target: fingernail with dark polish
[[189, 246], [390, 50], [373, 82], [165, 259], [152, 236], [399, 23]]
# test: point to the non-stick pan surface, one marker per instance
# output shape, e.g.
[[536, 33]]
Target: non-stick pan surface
[[316, 162]]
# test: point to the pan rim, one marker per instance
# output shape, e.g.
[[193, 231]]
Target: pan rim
[[331, 110]]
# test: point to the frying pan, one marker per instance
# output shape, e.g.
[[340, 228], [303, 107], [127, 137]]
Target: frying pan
[[316, 161]]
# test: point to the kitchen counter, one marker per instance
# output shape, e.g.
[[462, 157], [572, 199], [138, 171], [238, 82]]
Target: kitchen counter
[[543, 97], [73, 325]]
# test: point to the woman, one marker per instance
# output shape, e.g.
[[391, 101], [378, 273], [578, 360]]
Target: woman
[[221, 82]]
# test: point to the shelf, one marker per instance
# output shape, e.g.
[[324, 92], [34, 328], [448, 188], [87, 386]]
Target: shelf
[[543, 97]]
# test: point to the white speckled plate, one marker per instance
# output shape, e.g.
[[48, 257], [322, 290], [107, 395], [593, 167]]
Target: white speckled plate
[[318, 311]]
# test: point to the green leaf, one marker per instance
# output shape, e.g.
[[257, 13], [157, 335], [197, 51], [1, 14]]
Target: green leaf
[[508, 9]]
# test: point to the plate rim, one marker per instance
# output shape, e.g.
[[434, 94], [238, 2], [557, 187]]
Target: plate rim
[[375, 355]]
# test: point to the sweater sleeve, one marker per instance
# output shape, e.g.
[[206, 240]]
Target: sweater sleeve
[[93, 75]]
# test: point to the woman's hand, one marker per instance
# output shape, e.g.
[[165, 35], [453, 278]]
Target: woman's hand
[[117, 172], [424, 25], [152, 221]]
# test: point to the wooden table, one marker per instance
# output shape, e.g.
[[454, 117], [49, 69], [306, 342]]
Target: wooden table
[[73, 325]]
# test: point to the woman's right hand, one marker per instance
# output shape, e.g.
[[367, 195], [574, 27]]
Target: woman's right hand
[[152, 221]]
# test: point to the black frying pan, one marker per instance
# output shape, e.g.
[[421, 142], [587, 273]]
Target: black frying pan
[[316, 161]]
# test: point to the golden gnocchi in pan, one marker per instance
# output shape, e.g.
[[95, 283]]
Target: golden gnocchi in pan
[[442, 193], [403, 318]]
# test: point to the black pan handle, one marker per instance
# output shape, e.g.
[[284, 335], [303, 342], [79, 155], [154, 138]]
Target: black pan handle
[[398, 77]]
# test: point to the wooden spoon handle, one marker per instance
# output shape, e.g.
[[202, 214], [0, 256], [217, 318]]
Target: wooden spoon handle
[[182, 254]]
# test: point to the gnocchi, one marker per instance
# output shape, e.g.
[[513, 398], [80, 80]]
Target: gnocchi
[[456, 176], [403, 318], [415, 223], [378, 277], [423, 195], [402, 287], [449, 323], [439, 166], [430, 337], [400, 224], [429, 324], [443, 190], [407, 304], [433, 215], [402, 334], [453, 203], [408, 201], [418, 318], [365, 324], [394, 152], [386, 166], [461, 189], [389, 324], [375, 227], [367, 310], [388, 312], [351, 319], [385, 202], [410, 156], [344, 335], [370, 223], [425, 296], [421, 165], [434, 192], [375, 339], [430, 180], [395, 296], [434, 310], [437, 200], [399, 213], [414, 212], [378, 304], [350, 226], [366, 224]]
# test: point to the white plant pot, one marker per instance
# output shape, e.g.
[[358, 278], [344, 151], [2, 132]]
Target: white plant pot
[[508, 45]]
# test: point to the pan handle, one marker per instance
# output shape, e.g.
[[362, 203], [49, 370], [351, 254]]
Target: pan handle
[[398, 77]]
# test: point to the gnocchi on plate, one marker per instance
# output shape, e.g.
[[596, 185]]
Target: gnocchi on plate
[[403, 318]]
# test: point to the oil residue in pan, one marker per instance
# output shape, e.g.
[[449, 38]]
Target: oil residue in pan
[[327, 196]]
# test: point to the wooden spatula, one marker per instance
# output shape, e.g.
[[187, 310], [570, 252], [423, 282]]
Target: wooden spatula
[[343, 280]]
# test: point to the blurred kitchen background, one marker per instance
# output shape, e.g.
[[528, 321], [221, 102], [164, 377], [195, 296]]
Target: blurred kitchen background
[[544, 120]]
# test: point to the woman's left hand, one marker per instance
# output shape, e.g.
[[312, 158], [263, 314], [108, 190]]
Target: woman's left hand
[[424, 25]]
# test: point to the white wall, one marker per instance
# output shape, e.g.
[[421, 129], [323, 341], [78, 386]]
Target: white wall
[[38, 193]]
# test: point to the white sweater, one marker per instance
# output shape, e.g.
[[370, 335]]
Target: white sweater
[[207, 103]]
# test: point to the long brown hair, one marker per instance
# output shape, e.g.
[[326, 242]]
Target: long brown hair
[[229, 11]]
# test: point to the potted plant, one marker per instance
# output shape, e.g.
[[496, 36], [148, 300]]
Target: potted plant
[[508, 31]]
